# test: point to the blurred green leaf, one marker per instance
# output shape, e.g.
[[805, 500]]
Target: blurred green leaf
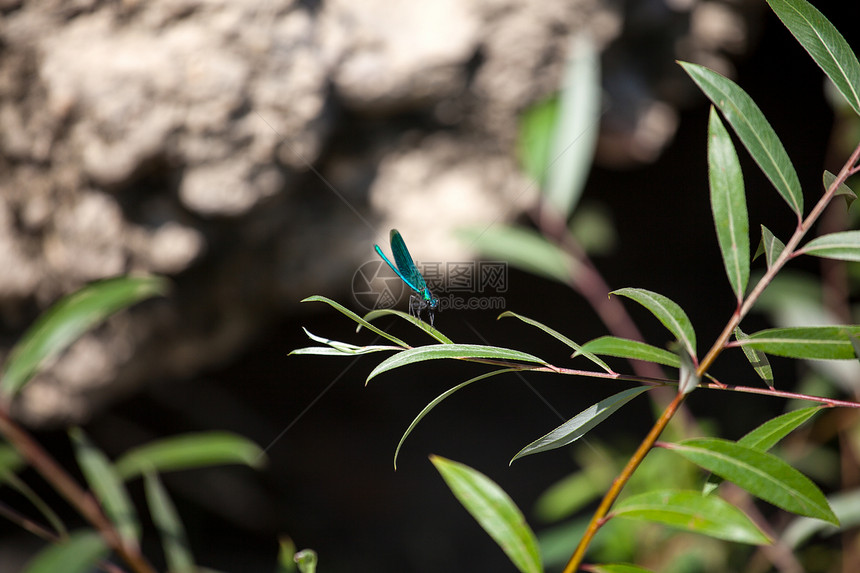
[[771, 432], [67, 320], [286, 553], [760, 473], [617, 568], [825, 44], [592, 227], [458, 351], [580, 424], [429, 329], [494, 511], [558, 336], [625, 348], [106, 485], [757, 359], [846, 506], [40, 504], [79, 553], [438, 400], [189, 451], [337, 348], [361, 322], [522, 248], [668, 312], [843, 246], [691, 511], [815, 342], [576, 129], [170, 529], [754, 131], [729, 205], [537, 125], [571, 493]]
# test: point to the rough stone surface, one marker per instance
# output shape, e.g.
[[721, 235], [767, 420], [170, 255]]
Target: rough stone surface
[[221, 143]]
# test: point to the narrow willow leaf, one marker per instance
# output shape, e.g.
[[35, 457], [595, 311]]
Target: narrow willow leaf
[[575, 134], [617, 568], [754, 131], [559, 336], [771, 432], [429, 329], [436, 401], [812, 342], [825, 44], [79, 553], [439, 351], [70, 318], [189, 451], [361, 322], [174, 542], [626, 348], [536, 129], [522, 248], [757, 359], [843, 246], [40, 504], [760, 473], [772, 246], [106, 485], [337, 348], [691, 511], [494, 511], [844, 190], [668, 312], [580, 424], [729, 205], [286, 551], [688, 378]]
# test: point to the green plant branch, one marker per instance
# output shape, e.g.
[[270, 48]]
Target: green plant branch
[[81, 500]]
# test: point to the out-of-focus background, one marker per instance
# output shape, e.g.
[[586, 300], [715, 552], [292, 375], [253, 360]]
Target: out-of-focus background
[[253, 152]]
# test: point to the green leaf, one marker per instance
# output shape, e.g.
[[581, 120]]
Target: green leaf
[[828, 178], [286, 551], [79, 553], [691, 511], [106, 485], [188, 451], [522, 248], [67, 320], [688, 378], [843, 246], [754, 131], [846, 506], [729, 205], [760, 473], [436, 401], [306, 559], [537, 124], [169, 526], [575, 134], [44, 508], [617, 568], [668, 312], [825, 44], [494, 511], [558, 336], [626, 348], [771, 432], [337, 348], [580, 424], [771, 246], [757, 359], [811, 342], [429, 329], [361, 322], [439, 351]]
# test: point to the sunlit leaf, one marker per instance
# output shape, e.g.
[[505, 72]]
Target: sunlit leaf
[[728, 205], [337, 348], [429, 329], [580, 424], [440, 351], [79, 553], [559, 336], [68, 319], [754, 131], [825, 44], [812, 342], [106, 485], [361, 322], [189, 451], [668, 312], [692, 511], [760, 473], [170, 529], [844, 246], [494, 511], [521, 248], [757, 359], [626, 348]]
